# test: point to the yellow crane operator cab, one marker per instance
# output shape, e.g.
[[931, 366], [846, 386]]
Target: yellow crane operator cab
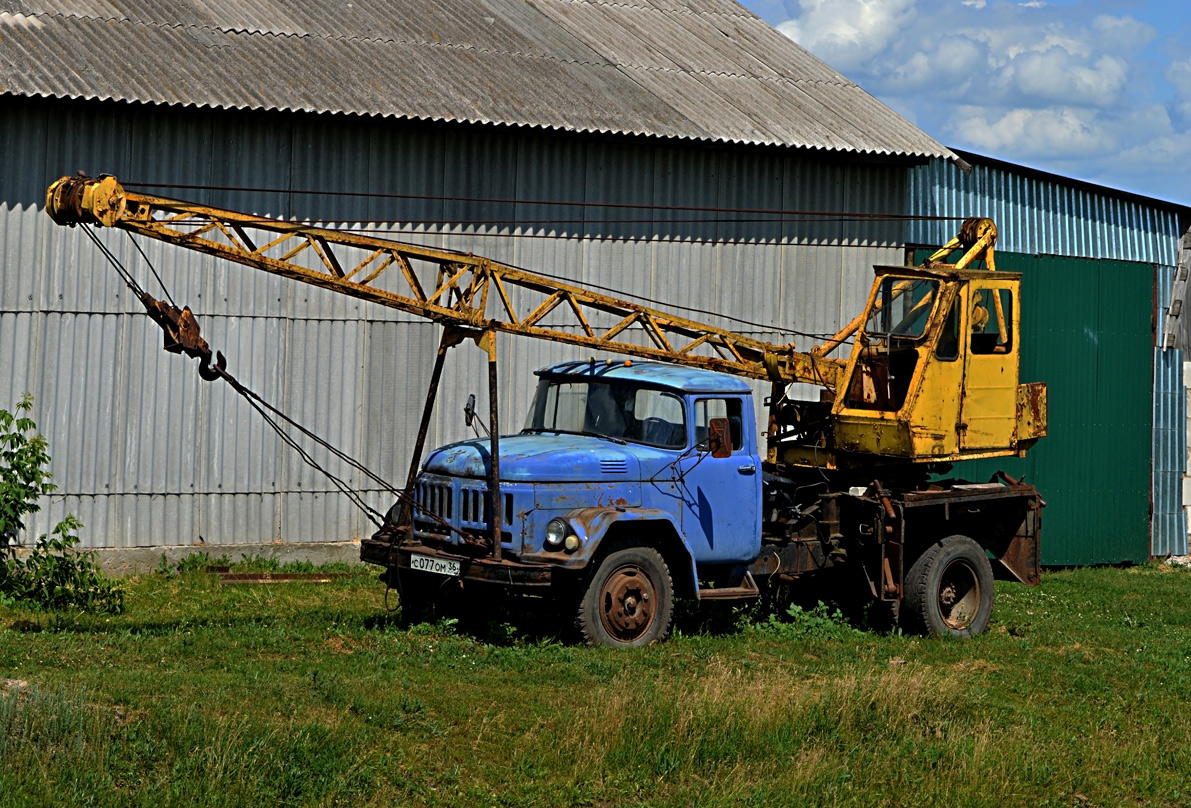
[[934, 369]]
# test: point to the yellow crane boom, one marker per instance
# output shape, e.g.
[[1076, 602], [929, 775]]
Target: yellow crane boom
[[461, 290]]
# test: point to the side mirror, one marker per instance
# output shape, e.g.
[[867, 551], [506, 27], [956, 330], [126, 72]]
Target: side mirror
[[469, 411], [718, 440]]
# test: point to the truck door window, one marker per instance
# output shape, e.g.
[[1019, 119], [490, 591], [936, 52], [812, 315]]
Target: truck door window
[[992, 321], [657, 419], [730, 408]]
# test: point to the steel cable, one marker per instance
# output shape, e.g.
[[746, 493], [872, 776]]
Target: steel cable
[[828, 215], [263, 408]]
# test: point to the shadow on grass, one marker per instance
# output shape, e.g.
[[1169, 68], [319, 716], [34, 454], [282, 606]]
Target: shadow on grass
[[496, 618], [499, 618]]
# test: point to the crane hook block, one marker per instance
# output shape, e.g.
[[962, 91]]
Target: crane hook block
[[181, 335], [86, 200]]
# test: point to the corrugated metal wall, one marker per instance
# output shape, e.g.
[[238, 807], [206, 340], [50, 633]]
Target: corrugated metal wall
[[1040, 217], [1169, 534], [146, 454]]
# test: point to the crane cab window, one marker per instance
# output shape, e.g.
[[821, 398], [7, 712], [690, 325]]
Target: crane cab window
[[901, 308], [991, 321], [896, 323], [948, 347], [730, 408]]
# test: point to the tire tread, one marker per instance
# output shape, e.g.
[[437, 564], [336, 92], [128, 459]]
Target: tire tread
[[588, 629]]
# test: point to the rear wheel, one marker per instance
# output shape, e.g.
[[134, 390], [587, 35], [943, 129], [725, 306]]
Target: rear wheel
[[629, 601], [949, 590]]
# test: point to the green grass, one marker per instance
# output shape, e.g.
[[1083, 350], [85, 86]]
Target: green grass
[[305, 694]]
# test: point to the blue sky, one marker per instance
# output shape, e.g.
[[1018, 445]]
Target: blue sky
[[1094, 89]]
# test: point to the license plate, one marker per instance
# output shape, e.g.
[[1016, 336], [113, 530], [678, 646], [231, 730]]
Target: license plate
[[439, 566]]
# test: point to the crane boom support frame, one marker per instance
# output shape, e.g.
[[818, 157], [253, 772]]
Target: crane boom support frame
[[468, 292]]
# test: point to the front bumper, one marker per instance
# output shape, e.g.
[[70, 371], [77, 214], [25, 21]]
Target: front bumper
[[505, 572]]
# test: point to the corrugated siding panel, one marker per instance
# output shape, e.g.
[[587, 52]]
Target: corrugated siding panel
[[1169, 530], [1038, 217], [146, 454]]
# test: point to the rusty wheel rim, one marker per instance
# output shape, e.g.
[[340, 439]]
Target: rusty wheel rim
[[627, 601], [959, 595]]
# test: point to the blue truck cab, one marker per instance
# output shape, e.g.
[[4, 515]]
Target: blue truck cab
[[615, 456]]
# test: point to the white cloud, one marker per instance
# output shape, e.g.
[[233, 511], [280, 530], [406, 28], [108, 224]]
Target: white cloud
[[1179, 75], [1056, 76], [1159, 153], [1063, 86], [1122, 32], [958, 58], [1054, 132], [848, 33]]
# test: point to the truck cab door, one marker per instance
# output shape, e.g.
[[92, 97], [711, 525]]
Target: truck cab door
[[988, 414], [721, 496]]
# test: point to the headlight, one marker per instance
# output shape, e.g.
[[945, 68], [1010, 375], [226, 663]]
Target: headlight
[[572, 543], [556, 533]]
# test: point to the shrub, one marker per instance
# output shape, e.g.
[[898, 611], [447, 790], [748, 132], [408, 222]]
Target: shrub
[[58, 577], [55, 575], [820, 623], [24, 477]]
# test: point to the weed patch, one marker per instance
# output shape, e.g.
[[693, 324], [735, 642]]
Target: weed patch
[[818, 623]]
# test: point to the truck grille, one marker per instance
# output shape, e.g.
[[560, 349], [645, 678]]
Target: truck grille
[[434, 498], [472, 510]]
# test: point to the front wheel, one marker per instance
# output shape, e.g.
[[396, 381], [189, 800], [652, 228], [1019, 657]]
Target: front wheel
[[949, 589], [629, 601]]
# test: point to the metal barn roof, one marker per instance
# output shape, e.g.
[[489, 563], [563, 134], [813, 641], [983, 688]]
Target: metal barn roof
[[704, 70]]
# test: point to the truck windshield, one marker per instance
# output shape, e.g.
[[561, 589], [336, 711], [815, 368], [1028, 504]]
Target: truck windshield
[[902, 307], [614, 410]]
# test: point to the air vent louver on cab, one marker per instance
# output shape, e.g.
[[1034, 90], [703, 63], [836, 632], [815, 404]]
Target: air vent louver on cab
[[614, 466]]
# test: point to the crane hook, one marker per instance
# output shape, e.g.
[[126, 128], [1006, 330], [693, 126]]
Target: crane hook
[[180, 332]]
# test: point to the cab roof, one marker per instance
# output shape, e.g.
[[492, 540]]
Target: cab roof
[[656, 374]]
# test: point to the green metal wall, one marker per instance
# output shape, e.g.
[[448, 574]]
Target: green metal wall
[[1086, 332]]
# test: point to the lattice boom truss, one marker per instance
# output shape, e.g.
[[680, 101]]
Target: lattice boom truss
[[460, 290]]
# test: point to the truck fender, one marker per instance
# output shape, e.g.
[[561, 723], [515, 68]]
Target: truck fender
[[591, 525]]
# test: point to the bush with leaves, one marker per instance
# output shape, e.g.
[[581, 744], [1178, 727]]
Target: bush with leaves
[[24, 476], [55, 575], [58, 577]]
